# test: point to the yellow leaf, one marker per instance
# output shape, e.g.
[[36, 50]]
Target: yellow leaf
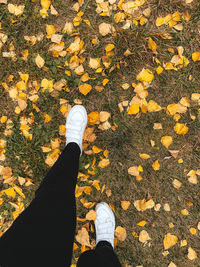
[[196, 56], [160, 21], [133, 171], [145, 75], [119, 17], [159, 70], [39, 61], [191, 254], [142, 223], [105, 28], [152, 106], [133, 109], [85, 77], [166, 141], [142, 205], [183, 243], [83, 237], [91, 215], [104, 163], [96, 184], [181, 128], [96, 149], [105, 81], [93, 117], [9, 192], [3, 119], [74, 248], [144, 236], [16, 10], [152, 45], [180, 161], [104, 116], [157, 126], [156, 165], [184, 212], [45, 4], [125, 204], [169, 240], [47, 85], [94, 63], [144, 156], [193, 231], [109, 47], [50, 29], [134, 234], [176, 183], [19, 191], [120, 233], [46, 116], [143, 20], [85, 88]]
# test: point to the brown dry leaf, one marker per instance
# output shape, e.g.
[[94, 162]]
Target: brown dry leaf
[[108, 192], [125, 204], [169, 240], [144, 236], [120, 233], [142, 205], [83, 237], [91, 215], [39, 61], [191, 254], [174, 153]]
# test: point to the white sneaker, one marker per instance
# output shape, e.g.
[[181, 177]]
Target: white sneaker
[[104, 223], [75, 125]]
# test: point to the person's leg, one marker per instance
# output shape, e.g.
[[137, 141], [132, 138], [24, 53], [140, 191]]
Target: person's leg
[[102, 256], [43, 233]]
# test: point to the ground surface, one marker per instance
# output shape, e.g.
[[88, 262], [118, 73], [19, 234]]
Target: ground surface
[[135, 67]]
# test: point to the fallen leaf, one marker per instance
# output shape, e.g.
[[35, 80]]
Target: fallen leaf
[[142, 223], [181, 128], [144, 156], [191, 254], [156, 165], [133, 109], [83, 237], [133, 171], [39, 61], [85, 88], [166, 141], [91, 215], [104, 163], [169, 240], [144, 236], [142, 205], [94, 63], [176, 183], [125, 204], [157, 126], [45, 4], [120, 233], [152, 45], [104, 116], [196, 56], [105, 28]]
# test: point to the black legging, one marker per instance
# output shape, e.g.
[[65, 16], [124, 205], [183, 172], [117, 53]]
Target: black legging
[[43, 234]]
